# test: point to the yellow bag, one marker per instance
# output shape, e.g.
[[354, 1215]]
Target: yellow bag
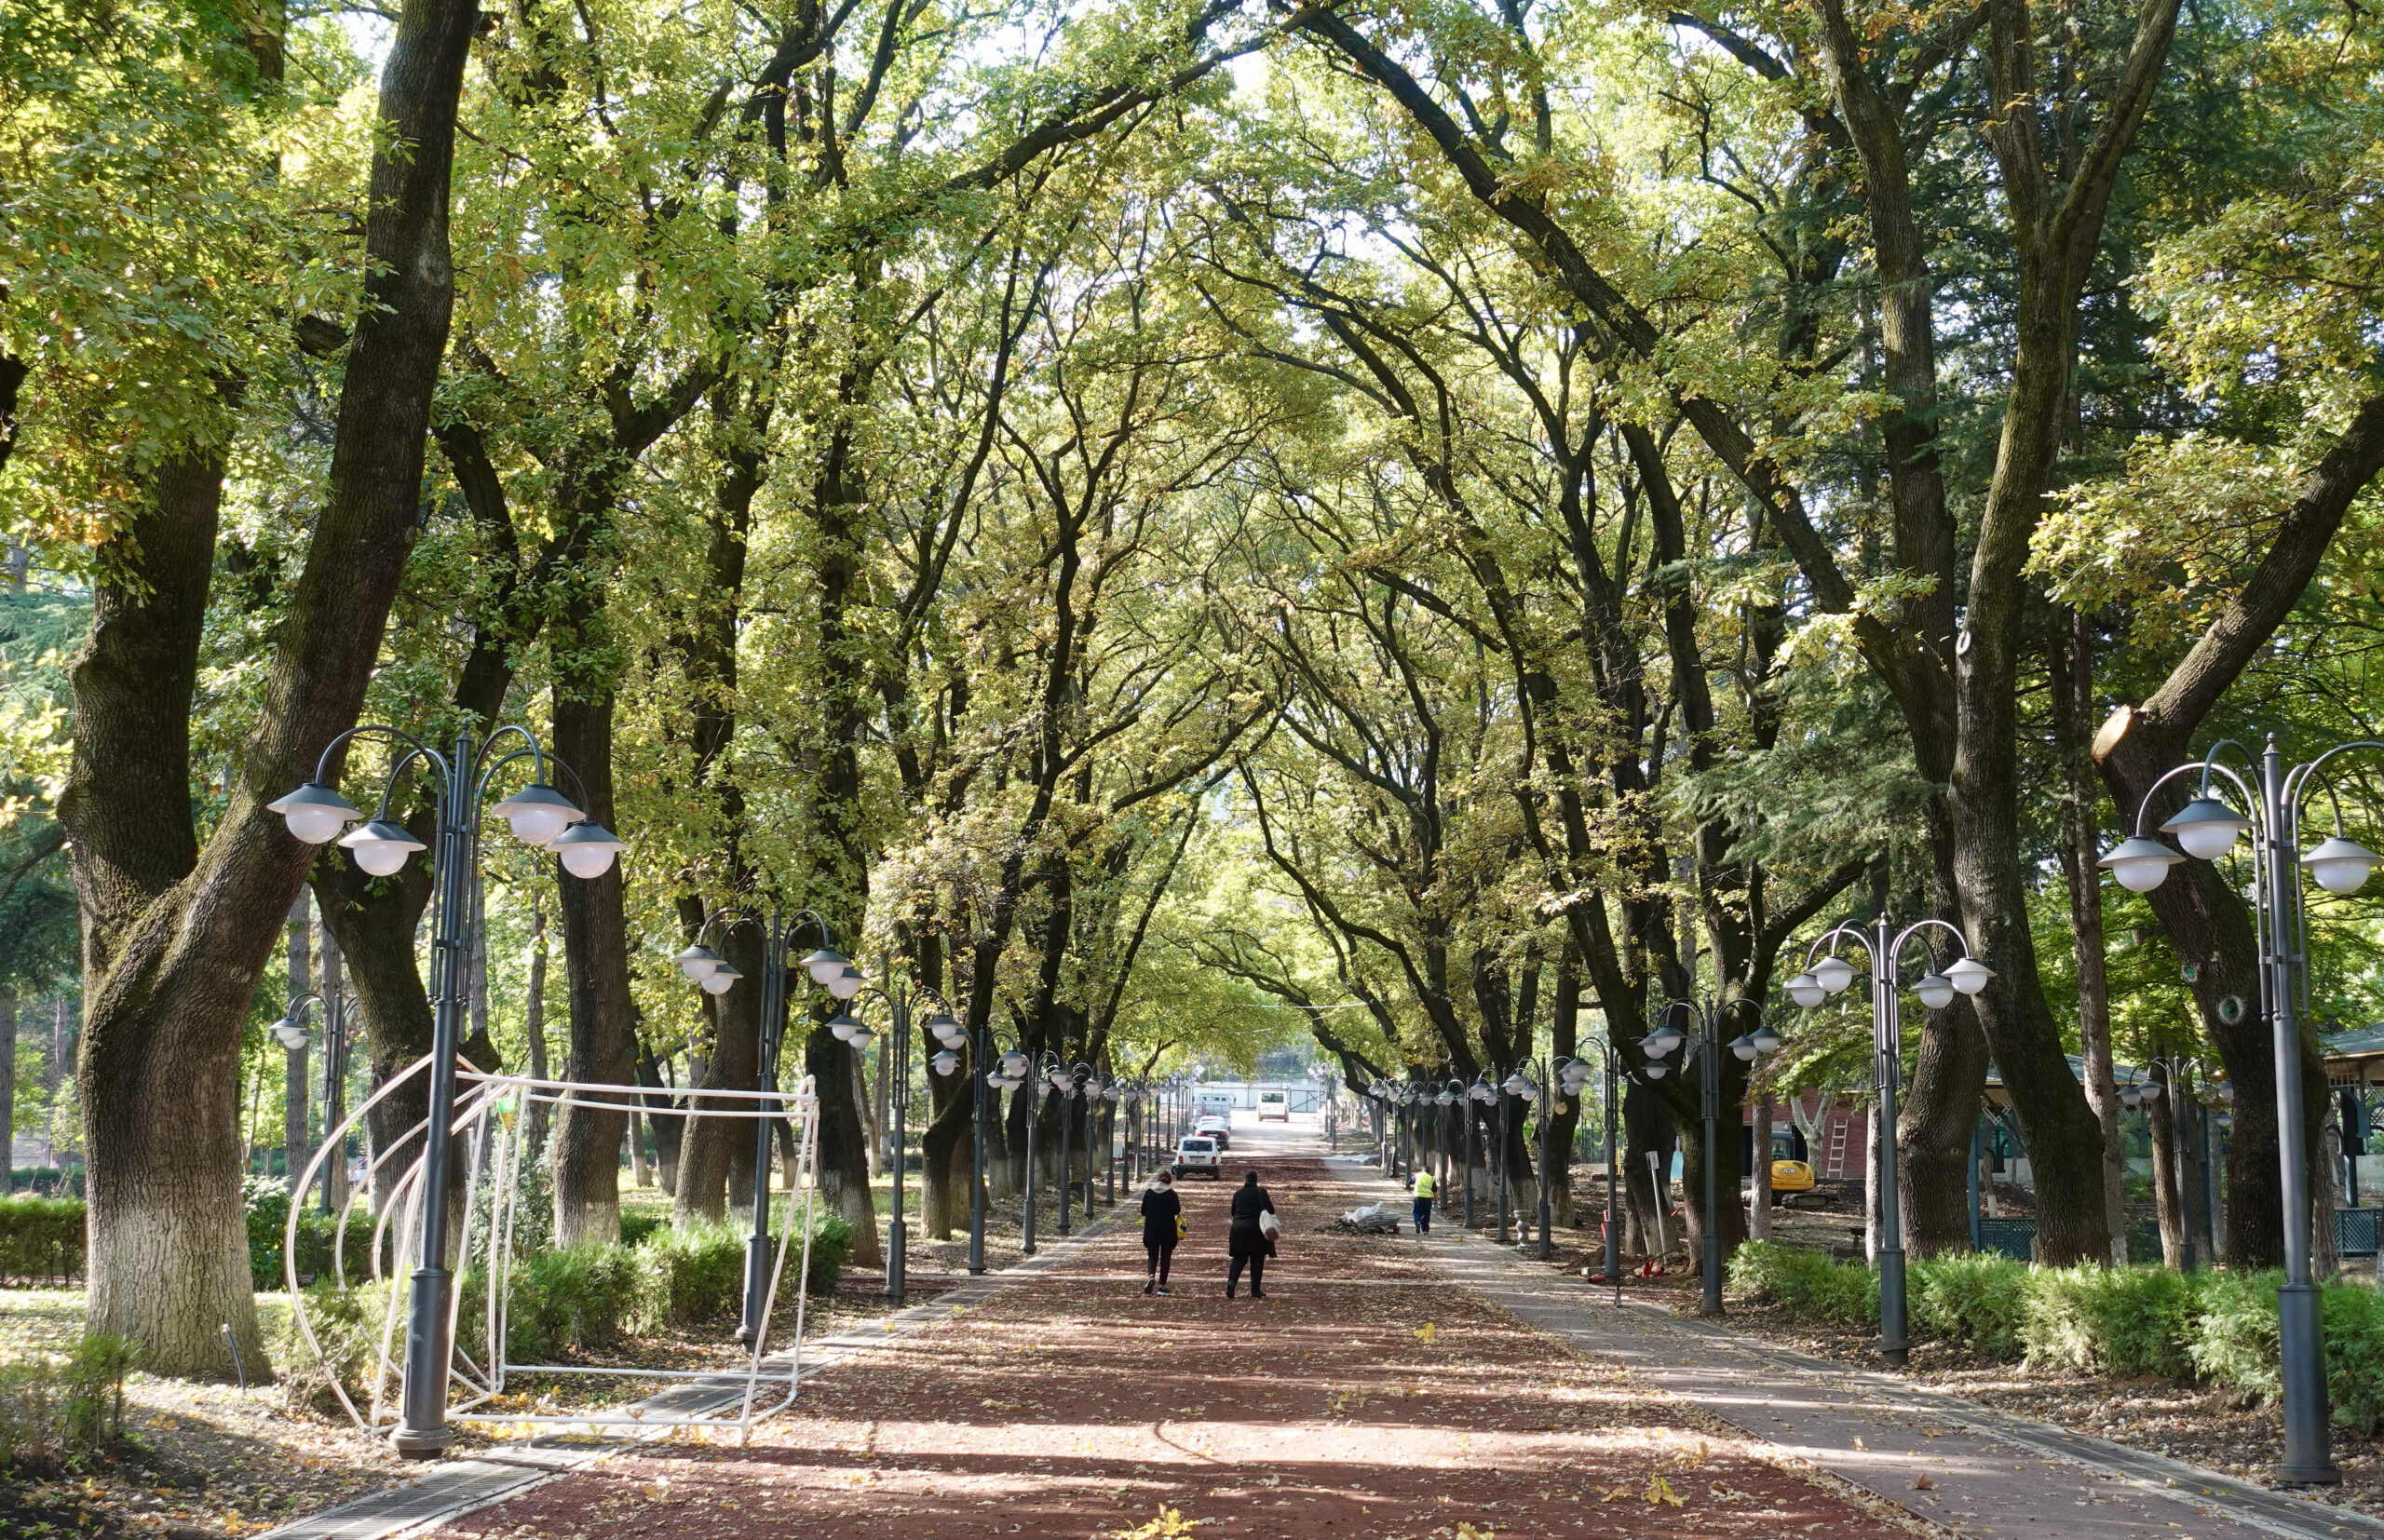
[[1183, 1226]]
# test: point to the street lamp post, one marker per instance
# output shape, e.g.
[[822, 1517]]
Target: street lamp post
[[2175, 1069], [1612, 1061], [1883, 947], [1110, 1096], [1068, 1084], [290, 1032], [1007, 1073], [1706, 1049], [540, 816], [946, 1060], [2208, 827], [717, 976], [1476, 1096]]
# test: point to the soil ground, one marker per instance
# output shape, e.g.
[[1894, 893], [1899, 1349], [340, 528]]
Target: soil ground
[[1363, 1397]]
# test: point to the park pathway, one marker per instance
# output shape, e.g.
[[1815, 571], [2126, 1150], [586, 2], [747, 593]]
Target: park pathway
[[1371, 1396]]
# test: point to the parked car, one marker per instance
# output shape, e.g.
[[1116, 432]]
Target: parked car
[[1276, 1105], [1198, 1156], [1213, 1126]]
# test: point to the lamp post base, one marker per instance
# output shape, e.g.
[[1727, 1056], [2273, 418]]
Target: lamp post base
[[757, 1286], [422, 1443], [2309, 1456]]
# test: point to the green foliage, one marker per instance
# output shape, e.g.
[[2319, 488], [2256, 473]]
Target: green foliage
[[575, 1298], [696, 1273], [2116, 1320], [832, 1241], [1980, 1301], [53, 1409], [41, 1238], [346, 1324], [1806, 1282], [636, 1227]]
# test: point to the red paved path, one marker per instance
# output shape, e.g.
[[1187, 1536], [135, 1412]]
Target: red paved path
[[1364, 1397]]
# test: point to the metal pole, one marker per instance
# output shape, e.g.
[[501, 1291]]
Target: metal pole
[[1888, 1068], [977, 1072], [1708, 1045], [1471, 1130], [422, 1432], [1506, 1233], [1086, 1098], [896, 1237], [757, 1245], [2209, 1181], [1977, 1126], [334, 1094], [2175, 1091], [1613, 1212], [2308, 1459], [1547, 1202], [1067, 1177], [1034, 1109]]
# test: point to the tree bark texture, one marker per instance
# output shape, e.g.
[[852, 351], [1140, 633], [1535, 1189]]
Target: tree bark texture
[[596, 978], [2071, 653]]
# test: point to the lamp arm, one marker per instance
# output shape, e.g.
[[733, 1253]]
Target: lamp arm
[[1830, 937], [1895, 952], [2205, 768], [323, 760], [2297, 783], [537, 755]]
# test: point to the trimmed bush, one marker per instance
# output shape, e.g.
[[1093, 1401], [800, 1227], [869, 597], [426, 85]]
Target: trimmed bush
[[2119, 1321], [2354, 1321], [1980, 1301], [832, 1241], [2234, 1344], [577, 1297], [1806, 1282], [53, 1410], [694, 1274], [41, 1238], [636, 1227]]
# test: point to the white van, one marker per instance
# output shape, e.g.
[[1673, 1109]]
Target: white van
[[1220, 1102], [1276, 1105]]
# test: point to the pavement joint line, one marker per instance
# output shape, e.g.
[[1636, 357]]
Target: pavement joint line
[[449, 1490], [2207, 1492]]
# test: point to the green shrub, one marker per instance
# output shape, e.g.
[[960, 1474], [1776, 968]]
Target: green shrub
[[2354, 1321], [2234, 1343], [693, 1275], [575, 1297], [41, 1238], [2117, 1320], [832, 1241], [636, 1227], [1980, 1301], [267, 1199], [1806, 1282], [56, 1409], [346, 1323]]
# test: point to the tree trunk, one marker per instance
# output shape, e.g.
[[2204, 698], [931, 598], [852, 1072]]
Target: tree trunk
[[1564, 1042], [596, 973], [334, 984], [295, 1146], [2072, 657], [1759, 1204], [844, 1164], [175, 939], [8, 1091], [717, 1153], [2325, 1194], [533, 1023], [2168, 1180]]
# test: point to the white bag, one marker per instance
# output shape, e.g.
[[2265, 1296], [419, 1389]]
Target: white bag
[[1268, 1225]]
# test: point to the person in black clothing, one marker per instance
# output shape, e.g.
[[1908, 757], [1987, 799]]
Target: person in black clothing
[[1161, 1210], [1246, 1240]]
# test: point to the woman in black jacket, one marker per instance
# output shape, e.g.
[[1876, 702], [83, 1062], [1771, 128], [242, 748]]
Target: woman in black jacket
[[1246, 1240], [1163, 1208]]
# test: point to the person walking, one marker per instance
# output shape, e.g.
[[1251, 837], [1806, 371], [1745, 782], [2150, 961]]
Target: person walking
[[1425, 1188], [1162, 1227], [1251, 1236]]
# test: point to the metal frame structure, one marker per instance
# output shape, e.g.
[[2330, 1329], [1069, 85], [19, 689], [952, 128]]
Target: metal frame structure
[[489, 1118]]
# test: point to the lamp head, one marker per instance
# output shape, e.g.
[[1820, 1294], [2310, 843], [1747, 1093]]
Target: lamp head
[[1660, 1043], [314, 813], [698, 962], [1935, 990], [2207, 828], [2339, 865], [539, 813], [1743, 1047], [720, 978], [1833, 973], [1969, 976], [1656, 1069], [842, 1026], [825, 964], [587, 849], [2140, 865], [1807, 991], [944, 1062], [1766, 1042], [292, 1032], [380, 847]]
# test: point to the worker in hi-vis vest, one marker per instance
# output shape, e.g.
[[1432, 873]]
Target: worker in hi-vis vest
[[1423, 1190]]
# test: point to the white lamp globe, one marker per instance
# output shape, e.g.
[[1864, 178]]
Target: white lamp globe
[[696, 962], [1514, 1085], [825, 964], [1935, 990], [1807, 991], [314, 813], [1660, 1043], [720, 979], [291, 1033], [2150, 1090], [539, 813], [2207, 828], [2339, 865], [1014, 1065], [1744, 1047], [1657, 1069], [848, 982], [1766, 1041], [587, 850], [2140, 865], [1833, 973], [1969, 975], [2130, 1095], [944, 1062], [861, 1037], [380, 847]]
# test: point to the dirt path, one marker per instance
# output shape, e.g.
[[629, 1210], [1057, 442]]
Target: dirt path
[[1366, 1397]]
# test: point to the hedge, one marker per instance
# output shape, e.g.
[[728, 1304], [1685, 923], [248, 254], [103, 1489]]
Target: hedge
[[41, 1238], [2215, 1329]]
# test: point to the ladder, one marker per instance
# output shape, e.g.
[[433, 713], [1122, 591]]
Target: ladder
[[1837, 1130]]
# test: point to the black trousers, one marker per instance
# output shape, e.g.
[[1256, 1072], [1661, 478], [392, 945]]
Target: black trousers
[[1257, 1274], [1161, 1254]]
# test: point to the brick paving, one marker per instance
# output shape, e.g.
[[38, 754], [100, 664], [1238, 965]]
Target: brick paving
[[1371, 1396]]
